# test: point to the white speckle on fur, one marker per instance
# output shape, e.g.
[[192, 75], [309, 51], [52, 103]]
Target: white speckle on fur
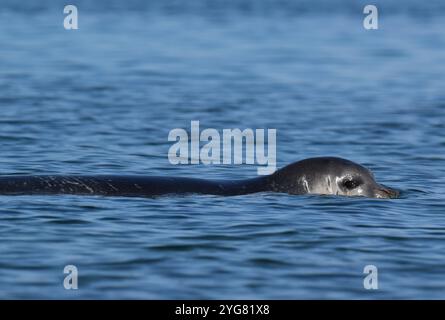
[[305, 184], [329, 185]]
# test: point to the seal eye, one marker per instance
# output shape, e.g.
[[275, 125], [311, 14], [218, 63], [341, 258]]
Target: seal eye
[[351, 184]]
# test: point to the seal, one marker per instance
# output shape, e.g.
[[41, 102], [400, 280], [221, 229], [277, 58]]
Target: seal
[[322, 176]]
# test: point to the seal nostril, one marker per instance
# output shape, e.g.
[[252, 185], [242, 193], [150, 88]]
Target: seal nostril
[[385, 192], [394, 194]]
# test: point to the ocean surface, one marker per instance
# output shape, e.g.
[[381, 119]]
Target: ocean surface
[[102, 100]]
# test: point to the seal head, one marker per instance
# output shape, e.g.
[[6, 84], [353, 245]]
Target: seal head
[[329, 175]]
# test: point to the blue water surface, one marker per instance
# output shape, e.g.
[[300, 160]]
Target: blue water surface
[[102, 100]]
